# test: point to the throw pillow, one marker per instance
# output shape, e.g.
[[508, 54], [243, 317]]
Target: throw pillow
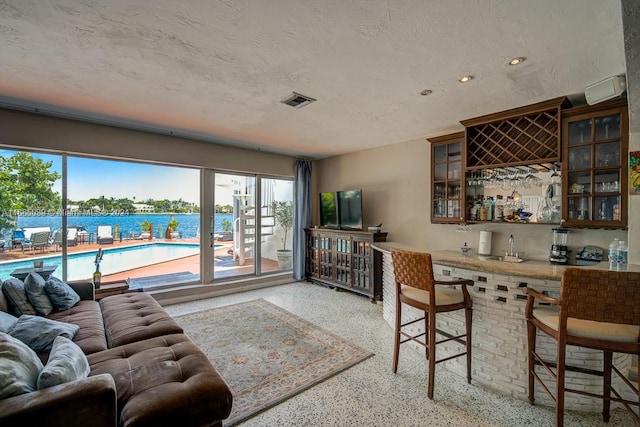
[[62, 295], [66, 363], [19, 367], [34, 286], [19, 304], [39, 332], [7, 322]]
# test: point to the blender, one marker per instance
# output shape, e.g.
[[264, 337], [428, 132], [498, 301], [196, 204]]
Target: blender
[[559, 250]]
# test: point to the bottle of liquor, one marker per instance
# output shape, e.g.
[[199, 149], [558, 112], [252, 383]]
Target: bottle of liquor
[[97, 276], [491, 207], [482, 209], [499, 214], [473, 211]]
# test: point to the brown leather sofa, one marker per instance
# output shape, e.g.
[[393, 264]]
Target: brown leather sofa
[[144, 371]]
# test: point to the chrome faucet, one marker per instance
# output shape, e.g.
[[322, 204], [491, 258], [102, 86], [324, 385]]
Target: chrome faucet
[[511, 246]]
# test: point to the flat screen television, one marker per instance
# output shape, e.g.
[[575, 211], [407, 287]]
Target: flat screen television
[[350, 209], [329, 210]]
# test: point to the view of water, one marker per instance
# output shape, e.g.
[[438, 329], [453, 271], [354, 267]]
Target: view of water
[[189, 224], [80, 265]]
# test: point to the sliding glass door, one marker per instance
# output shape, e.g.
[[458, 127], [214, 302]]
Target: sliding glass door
[[276, 225], [234, 225], [252, 225]]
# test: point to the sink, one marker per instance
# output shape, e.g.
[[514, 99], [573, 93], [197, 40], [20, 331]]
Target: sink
[[510, 259], [500, 258], [489, 258]]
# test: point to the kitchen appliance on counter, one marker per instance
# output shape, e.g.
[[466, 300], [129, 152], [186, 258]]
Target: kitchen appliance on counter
[[589, 255], [559, 250]]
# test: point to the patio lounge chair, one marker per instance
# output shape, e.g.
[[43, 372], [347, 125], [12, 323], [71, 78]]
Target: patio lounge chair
[[57, 239], [72, 236], [105, 235], [17, 239], [39, 239]]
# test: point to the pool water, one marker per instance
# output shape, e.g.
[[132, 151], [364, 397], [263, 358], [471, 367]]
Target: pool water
[[80, 266]]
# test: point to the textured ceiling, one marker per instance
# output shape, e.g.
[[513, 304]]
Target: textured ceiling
[[217, 70]]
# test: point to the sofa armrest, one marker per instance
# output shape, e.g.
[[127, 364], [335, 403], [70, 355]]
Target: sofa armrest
[[87, 402], [85, 290]]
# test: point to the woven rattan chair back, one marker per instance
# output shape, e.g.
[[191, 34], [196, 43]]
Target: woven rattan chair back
[[592, 295], [413, 269], [601, 296]]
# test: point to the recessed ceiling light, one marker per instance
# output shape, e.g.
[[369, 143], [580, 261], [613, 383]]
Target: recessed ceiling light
[[465, 79], [517, 60], [426, 92]]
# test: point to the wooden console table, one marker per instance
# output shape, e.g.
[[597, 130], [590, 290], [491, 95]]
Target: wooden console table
[[345, 259]]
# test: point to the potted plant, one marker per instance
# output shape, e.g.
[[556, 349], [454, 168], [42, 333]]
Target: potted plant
[[283, 217], [173, 226], [146, 227], [226, 230]]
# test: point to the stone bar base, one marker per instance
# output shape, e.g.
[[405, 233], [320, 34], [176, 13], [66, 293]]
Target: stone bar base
[[500, 337]]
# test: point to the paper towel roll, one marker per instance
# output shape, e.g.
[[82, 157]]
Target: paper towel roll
[[484, 246]]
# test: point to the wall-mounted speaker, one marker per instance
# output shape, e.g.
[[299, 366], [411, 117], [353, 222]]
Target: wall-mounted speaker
[[606, 89]]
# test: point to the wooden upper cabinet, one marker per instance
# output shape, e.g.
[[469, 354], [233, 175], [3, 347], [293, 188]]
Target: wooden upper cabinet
[[521, 136], [594, 167], [447, 178]]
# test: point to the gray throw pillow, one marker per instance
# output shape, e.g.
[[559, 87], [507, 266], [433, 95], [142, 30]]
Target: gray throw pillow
[[19, 367], [66, 363], [39, 332], [19, 304], [34, 286], [7, 322], [61, 295]]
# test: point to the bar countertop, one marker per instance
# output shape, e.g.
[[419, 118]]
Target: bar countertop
[[529, 268]]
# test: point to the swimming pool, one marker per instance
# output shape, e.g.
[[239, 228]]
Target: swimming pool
[[80, 265]]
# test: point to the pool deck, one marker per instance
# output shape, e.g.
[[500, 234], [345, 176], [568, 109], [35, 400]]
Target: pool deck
[[224, 266]]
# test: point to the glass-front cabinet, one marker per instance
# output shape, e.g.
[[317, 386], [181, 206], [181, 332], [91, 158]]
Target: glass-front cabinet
[[447, 178], [594, 165]]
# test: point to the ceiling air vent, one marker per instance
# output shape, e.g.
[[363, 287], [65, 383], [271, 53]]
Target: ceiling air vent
[[297, 100]]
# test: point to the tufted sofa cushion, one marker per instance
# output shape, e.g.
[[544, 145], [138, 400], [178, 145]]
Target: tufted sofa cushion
[[164, 381], [135, 317], [86, 314]]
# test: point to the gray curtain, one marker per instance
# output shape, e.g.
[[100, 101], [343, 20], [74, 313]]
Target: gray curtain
[[301, 215]]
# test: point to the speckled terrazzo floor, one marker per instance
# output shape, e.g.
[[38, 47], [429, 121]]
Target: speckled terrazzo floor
[[369, 394]]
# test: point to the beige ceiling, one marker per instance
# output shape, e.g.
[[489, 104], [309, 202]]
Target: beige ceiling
[[217, 70]]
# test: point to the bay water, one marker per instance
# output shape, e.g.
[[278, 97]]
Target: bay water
[[188, 224]]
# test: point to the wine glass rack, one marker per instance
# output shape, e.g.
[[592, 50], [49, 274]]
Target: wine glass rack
[[521, 136]]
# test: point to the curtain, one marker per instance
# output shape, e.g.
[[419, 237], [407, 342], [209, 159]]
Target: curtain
[[301, 214]]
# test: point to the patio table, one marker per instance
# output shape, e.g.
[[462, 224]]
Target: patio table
[[45, 272]]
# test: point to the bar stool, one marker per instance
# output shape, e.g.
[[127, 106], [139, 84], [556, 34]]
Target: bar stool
[[597, 309], [415, 286]]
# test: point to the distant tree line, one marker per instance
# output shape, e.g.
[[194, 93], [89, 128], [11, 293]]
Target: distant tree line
[[126, 205]]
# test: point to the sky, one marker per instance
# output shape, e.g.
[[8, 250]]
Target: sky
[[92, 178]]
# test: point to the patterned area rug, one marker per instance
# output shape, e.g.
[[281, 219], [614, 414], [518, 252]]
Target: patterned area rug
[[267, 354]]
